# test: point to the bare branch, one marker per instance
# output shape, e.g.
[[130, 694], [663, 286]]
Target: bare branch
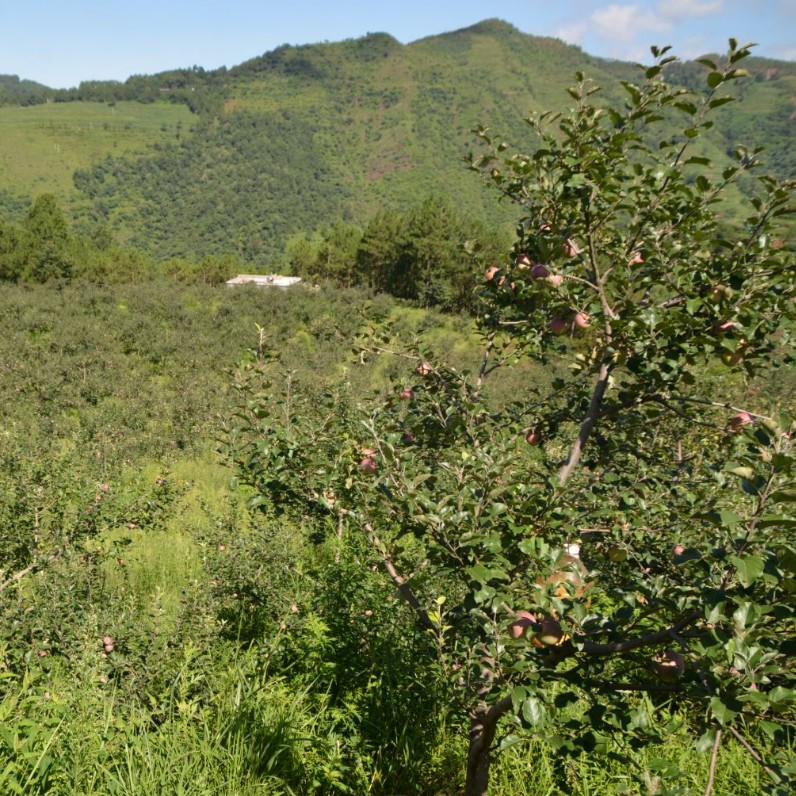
[[755, 755], [713, 758]]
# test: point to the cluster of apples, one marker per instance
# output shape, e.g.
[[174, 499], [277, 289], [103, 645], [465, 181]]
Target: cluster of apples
[[546, 630], [558, 325]]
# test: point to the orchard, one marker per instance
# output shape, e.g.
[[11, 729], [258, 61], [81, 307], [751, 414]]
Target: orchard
[[626, 539]]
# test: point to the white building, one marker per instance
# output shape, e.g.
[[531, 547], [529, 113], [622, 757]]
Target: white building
[[264, 280]]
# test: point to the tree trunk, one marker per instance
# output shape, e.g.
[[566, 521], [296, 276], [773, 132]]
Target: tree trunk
[[483, 726]]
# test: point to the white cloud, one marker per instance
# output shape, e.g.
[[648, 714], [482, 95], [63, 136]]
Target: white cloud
[[689, 8], [573, 33], [626, 22]]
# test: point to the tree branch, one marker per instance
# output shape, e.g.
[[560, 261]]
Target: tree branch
[[713, 758], [586, 427], [403, 587], [659, 637]]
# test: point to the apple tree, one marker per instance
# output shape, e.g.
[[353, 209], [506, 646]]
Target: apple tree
[[626, 539]]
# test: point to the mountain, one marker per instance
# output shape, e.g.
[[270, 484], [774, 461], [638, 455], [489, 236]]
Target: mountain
[[191, 162]]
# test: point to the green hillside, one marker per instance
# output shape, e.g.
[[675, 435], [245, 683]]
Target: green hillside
[[303, 136]]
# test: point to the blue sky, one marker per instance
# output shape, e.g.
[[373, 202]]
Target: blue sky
[[61, 42]]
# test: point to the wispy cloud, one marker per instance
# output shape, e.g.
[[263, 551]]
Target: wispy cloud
[[679, 9], [623, 29], [626, 22]]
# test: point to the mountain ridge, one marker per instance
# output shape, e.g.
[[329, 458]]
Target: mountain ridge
[[305, 135]]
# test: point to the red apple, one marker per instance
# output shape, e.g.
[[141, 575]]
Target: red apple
[[408, 438], [669, 666], [423, 368], [490, 272], [521, 624], [571, 249], [558, 326], [724, 326], [539, 271], [523, 261], [406, 394], [367, 465], [635, 257], [737, 422], [556, 280], [582, 320], [532, 437]]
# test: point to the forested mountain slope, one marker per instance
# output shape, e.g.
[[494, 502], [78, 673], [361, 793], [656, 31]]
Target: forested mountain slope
[[303, 136]]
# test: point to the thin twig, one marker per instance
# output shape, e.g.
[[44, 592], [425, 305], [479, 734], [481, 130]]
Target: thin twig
[[713, 758], [755, 755]]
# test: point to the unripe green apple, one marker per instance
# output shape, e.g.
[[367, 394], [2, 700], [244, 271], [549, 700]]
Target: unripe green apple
[[617, 554], [550, 632]]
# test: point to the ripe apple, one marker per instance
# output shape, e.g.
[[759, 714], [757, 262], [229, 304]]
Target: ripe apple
[[669, 666], [490, 272], [532, 437], [558, 326], [406, 394], [539, 271], [737, 422], [556, 280], [617, 554], [423, 368], [520, 625], [523, 261], [582, 320], [367, 465], [635, 257], [571, 249], [723, 327], [407, 438], [678, 550], [550, 632], [107, 640]]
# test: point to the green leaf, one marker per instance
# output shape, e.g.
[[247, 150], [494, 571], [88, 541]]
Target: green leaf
[[749, 569], [721, 712], [705, 741], [715, 79], [533, 711]]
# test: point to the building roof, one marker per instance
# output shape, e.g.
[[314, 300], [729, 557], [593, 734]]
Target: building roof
[[264, 280]]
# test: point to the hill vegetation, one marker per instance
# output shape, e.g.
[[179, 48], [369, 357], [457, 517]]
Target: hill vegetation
[[331, 541], [302, 137]]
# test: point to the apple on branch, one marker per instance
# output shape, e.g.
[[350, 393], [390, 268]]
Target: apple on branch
[[669, 666]]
